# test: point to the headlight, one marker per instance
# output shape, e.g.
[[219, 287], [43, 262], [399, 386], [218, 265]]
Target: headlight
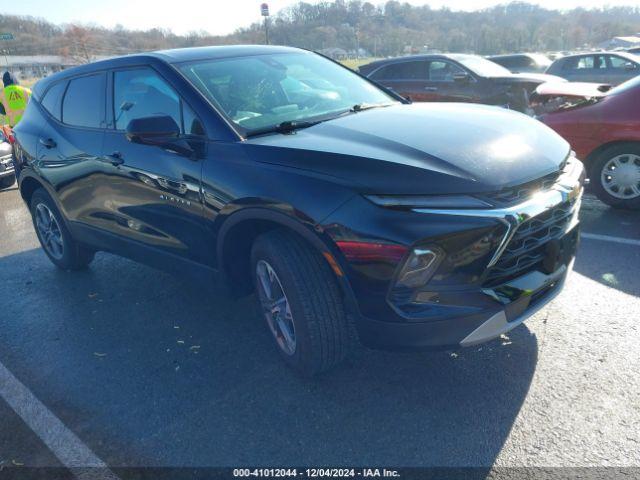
[[420, 266], [427, 201]]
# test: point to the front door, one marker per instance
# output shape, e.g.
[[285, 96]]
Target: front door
[[449, 82], [155, 192]]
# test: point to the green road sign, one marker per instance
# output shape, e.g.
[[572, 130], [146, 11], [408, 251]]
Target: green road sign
[[6, 36]]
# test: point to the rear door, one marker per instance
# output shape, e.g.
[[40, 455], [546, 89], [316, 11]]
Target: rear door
[[155, 191], [621, 69], [408, 78], [70, 145], [586, 68]]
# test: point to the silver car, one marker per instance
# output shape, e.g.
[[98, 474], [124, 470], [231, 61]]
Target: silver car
[[613, 68]]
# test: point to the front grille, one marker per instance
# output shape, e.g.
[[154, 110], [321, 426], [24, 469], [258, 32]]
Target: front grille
[[520, 193], [526, 250]]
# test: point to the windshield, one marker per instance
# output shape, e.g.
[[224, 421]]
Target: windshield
[[482, 66], [258, 92]]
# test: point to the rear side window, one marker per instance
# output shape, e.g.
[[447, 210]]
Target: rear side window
[[416, 70], [52, 100], [83, 104]]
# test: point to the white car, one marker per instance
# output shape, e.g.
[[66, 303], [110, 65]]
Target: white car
[[7, 172]]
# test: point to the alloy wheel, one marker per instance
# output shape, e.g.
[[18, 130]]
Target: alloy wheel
[[49, 231], [275, 307], [620, 176]]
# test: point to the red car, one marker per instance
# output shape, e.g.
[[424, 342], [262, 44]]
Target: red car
[[603, 127]]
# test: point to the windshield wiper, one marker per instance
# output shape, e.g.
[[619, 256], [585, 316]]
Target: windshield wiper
[[290, 126], [284, 127], [359, 107]]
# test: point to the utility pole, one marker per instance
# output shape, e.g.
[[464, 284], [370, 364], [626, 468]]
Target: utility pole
[[264, 11], [5, 51]]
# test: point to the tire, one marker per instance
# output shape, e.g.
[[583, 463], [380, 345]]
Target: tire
[[320, 326], [64, 252], [625, 153], [6, 182]]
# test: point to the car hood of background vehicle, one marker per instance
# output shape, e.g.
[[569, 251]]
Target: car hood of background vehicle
[[531, 78], [420, 148]]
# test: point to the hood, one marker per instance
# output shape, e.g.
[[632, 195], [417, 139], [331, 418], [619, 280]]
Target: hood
[[533, 78], [420, 149], [573, 89]]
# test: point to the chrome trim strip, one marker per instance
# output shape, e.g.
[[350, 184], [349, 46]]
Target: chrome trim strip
[[567, 187]]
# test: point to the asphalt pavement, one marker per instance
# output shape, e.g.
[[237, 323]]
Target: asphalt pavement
[[129, 366]]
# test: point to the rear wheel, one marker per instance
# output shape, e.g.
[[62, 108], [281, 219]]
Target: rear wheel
[[301, 302], [56, 240], [615, 176]]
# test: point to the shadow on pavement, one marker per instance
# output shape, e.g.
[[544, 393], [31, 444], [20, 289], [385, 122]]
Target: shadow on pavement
[[154, 370]]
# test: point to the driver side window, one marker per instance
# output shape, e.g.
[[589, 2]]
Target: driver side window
[[142, 93], [442, 71]]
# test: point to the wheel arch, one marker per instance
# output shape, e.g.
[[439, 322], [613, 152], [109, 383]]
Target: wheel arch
[[596, 152], [238, 232], [28, 185]]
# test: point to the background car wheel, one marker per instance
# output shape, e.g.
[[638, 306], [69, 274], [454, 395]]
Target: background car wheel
[[56, 240], [615, 176], [301, 302], [6, 182]]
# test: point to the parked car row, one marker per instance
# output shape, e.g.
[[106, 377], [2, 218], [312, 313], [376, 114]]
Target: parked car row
[[600, 67], [455, 78], [601, 123]]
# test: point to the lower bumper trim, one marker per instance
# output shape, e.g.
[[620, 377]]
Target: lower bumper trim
[[499, 324]]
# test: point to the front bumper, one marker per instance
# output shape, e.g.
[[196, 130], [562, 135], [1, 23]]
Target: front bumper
[[471, 329], [452, 313]]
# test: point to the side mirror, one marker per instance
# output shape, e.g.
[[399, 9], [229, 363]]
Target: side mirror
[[629, 66], [156, 130], [461, 77]]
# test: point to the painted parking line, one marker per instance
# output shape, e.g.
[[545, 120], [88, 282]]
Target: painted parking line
[[609, 238], [65, 445]]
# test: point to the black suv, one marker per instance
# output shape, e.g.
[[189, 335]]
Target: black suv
[[354, 214]]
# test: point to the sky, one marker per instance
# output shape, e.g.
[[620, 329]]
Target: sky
[[217, 17]]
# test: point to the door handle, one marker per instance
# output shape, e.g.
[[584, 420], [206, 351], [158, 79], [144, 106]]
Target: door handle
[[431, 89], [115, 159], [47, 142]]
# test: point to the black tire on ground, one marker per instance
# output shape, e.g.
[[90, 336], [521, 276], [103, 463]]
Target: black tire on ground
[[323, 337], [6, 182], [74, 256], [596, 170]]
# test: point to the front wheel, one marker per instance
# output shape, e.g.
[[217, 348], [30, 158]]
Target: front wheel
[[301, 302], [56, 240], [615, 176]]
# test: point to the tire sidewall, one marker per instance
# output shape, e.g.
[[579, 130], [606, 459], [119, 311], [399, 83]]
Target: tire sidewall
[[596, 176], [42, 197], [301, 359]]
